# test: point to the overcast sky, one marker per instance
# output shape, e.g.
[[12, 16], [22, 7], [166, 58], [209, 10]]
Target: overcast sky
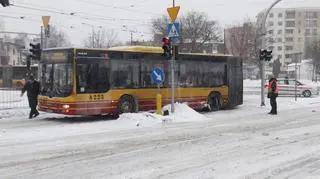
[[132, 14]]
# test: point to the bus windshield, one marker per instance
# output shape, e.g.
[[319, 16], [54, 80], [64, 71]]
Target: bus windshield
[[56, 72]]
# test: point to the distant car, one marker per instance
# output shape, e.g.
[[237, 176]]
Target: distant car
[[287, 87]]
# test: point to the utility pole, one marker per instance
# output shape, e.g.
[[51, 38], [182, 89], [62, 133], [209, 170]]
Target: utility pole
[[263, 45], [172, 71], [92, 37], [173, 30], [41, 40], [131, 37], [296, 57]]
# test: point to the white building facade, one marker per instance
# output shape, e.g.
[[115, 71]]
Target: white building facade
[[291, 31]]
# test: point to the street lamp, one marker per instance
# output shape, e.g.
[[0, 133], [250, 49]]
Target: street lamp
[[263, 29]]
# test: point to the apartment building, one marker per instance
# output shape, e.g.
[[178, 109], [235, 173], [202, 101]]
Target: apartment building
[[291, 31]]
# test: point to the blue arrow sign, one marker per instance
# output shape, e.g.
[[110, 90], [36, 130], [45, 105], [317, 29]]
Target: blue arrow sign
[[157, 76], [173, 30]]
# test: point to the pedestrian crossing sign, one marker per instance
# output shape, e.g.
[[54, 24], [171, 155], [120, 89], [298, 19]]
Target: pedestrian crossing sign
[[173, 30]]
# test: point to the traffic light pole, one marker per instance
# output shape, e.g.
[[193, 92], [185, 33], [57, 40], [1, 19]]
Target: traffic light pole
[[263, 29], [41, 41], [172, 71]]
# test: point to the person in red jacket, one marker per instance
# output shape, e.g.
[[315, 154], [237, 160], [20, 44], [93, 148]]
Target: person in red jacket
[[273, 94]]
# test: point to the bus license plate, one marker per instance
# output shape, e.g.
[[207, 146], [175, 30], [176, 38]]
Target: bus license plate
[[49, 110]]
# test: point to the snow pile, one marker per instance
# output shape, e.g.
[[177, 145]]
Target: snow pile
[[182, 113]]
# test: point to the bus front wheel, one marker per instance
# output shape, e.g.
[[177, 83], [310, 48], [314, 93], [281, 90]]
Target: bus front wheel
[[214, 102], [127, 104]]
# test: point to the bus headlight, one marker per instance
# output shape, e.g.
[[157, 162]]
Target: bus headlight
[[66, 106]]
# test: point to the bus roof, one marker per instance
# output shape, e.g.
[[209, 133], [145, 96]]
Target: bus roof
[[151, 49], [141, 49]]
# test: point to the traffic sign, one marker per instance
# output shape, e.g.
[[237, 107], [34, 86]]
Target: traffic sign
[[45, 21], [157, 75], [173, 30], [173, 13]]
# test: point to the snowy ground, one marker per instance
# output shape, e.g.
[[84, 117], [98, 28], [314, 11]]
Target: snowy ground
[[241, 143]]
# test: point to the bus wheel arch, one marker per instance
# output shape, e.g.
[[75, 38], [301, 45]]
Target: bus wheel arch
[[127, 104], [214, 101]]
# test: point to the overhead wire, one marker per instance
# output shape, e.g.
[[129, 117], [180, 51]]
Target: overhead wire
[[118, 7]]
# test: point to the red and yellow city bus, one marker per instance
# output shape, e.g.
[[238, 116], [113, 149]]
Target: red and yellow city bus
[[78, 81]]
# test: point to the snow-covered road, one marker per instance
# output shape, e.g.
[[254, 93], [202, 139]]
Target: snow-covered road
[[240, 143]]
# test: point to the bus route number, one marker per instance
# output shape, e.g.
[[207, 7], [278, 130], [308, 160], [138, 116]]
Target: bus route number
[[96, 97]]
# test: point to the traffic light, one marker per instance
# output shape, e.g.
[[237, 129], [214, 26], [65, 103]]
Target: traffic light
[[176, 52], [4, 3], [36, 51], [268, 55], [262, 54], [265, 55], [167, 49]]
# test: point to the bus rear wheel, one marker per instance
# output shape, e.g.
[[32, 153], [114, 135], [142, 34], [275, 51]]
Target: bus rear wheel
[[214, 101], [127, 104]]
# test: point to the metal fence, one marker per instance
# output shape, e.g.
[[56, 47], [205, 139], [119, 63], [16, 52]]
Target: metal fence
[[12, 79], [10, 99]]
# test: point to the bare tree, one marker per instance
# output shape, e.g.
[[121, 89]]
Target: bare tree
[[313, 51], [57, 38], [243, 40], [196, 30], [159, 28], [199, 29], [102, 39]]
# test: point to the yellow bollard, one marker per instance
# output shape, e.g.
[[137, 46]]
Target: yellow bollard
[[159, 103]]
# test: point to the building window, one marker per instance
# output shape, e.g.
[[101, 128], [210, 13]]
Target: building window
[[314, 32], [308, 32], [290, 14], [288, 55], [271, 48], [299, 31], [271, 40], [311, 15], [279, 48], [280, 23], [299, 39], [270, 23], [311, 23], [279, 31], [289, 39], [279, 56], [280, 15], [270, 32], [279, 39], [290, 23], [289, 47], [289, 31], [271, 15]]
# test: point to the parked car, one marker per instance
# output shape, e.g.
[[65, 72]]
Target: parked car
[[287, 87]]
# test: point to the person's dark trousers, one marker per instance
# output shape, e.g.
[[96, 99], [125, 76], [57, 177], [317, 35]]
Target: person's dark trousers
[[273, 103], [33, 105]]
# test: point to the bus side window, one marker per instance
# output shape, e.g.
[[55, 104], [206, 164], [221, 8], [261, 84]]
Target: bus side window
[[125, 73]]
